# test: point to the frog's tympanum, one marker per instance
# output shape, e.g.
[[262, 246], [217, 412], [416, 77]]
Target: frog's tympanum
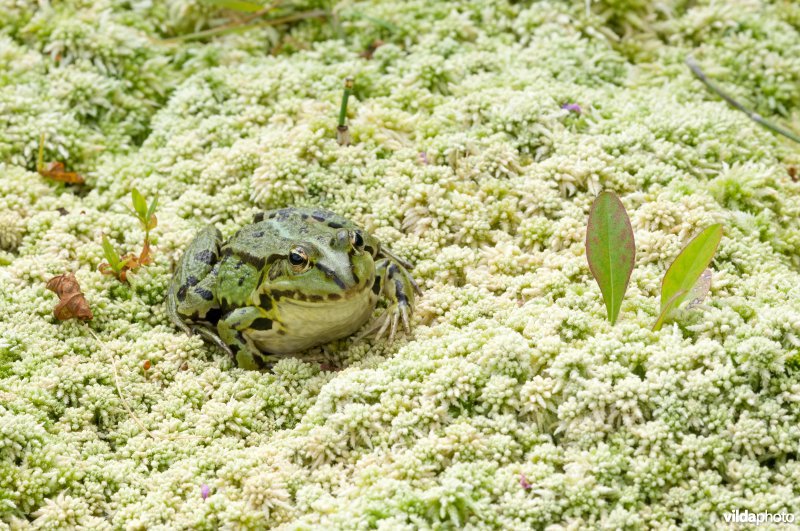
[[293, 279]]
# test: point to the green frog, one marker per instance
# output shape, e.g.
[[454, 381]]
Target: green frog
[[292, 279]]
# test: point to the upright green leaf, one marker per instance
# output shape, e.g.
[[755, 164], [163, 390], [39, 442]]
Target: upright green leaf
[[151, 218], [111, 254], [139, 204], [687, 268], [610, 250]]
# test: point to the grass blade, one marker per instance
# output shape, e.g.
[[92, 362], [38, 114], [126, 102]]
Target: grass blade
[[610, 250], [237, 5], [686, 270]]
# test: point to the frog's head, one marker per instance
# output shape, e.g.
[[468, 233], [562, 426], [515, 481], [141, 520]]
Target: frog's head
[[324, 265]]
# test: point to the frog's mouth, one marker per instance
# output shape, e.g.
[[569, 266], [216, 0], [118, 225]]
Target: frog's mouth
[[312, 300]]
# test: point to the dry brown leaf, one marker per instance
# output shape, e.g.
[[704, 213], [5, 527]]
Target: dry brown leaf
[[72, 304], [56, 171]]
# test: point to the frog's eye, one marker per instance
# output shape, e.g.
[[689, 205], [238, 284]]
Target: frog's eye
[[298, 258], [357, 240]]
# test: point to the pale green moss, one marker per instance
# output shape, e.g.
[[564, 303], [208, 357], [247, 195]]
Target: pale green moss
[[465, 163]]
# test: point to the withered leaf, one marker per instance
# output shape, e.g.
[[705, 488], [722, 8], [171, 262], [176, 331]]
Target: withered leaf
[[72, 304]]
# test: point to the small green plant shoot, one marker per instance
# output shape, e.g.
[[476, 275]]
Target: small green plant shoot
[[610, 250], [119, 267], [687, 269], [115, 265], [147, 218], [342, 133]]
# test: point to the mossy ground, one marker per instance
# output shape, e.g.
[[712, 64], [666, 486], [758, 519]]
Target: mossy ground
[[464, 162]]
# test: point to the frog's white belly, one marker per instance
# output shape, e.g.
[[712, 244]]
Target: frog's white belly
[[307, 324]]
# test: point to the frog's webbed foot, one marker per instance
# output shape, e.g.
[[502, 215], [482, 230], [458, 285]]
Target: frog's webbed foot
[[395, 282]]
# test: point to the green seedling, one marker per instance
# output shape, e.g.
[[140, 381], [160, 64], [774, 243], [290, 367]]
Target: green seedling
[[610, 250], [687, 269], [147, 218], [119, 266], [342, 133], [115, 265]]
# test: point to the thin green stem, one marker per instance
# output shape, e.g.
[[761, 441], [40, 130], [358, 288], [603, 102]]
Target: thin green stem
[[348, 88], [40, 158], [731, 101]]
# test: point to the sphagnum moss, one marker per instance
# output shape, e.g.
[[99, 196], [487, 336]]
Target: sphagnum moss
[[462, 160]]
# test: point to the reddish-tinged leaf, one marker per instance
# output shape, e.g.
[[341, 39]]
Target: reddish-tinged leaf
[[610, 250]]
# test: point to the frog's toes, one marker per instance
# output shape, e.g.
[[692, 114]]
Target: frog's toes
[[211, 337], [396, 284]]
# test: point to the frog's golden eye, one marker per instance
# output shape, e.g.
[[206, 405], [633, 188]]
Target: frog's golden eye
[[298, 258], [357, 240]]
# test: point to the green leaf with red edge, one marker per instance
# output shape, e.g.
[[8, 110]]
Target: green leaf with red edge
[[610, 250], [152, 221], [687, 268]]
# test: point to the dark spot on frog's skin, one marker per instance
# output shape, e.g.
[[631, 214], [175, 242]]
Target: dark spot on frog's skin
[[255, 261], [281, 332], [213, 315], [205, 256], [279, 294], [191, 280], [376, 286], [265, 302], [392, 270], [259, 234], [262, 323], [241, 281], [258, 218], [314, 298], [370, 250], [182, 293], [304, 216], [272, 216], [398, 291], [318, 217], [334, 225], [334, 297], [204, 293], [330, 274], [238, 265]]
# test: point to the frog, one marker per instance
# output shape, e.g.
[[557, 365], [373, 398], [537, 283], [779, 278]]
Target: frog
[[293, 279]]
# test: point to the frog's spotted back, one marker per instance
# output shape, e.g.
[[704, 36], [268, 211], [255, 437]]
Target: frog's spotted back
[[292, 279]]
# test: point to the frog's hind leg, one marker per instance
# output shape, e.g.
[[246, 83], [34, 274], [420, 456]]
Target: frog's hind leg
[[231, 328], [191, 292]]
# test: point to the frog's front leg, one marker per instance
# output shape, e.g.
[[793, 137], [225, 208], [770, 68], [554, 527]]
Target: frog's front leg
[[231, 330], [393, 281]]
